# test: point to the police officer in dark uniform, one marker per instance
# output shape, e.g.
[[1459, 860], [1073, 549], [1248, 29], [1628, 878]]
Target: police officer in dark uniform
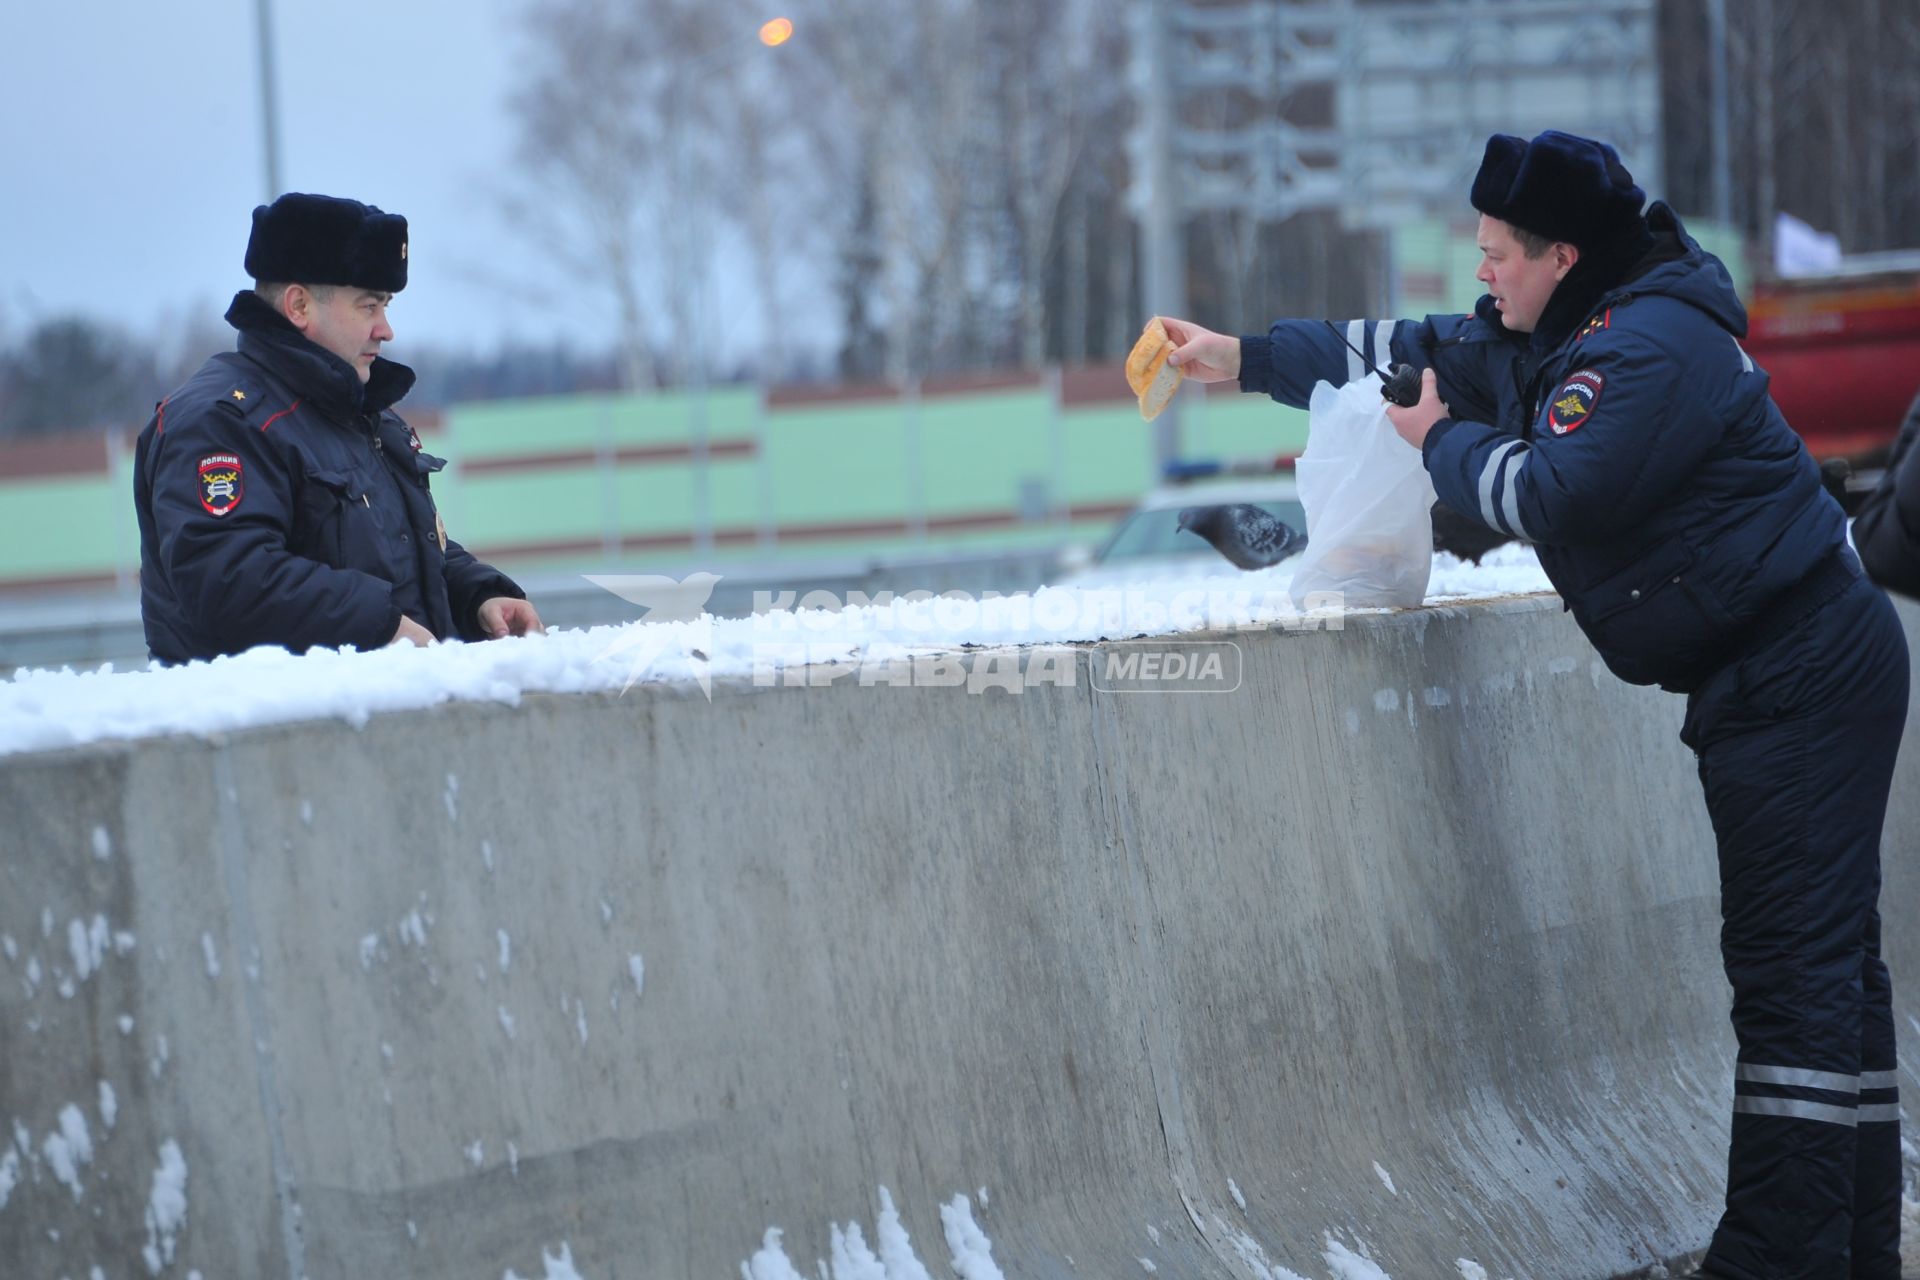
[[1597, 403], [1887, 526], [281, 499]]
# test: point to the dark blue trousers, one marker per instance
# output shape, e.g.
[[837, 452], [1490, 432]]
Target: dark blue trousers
[[1796, 744]]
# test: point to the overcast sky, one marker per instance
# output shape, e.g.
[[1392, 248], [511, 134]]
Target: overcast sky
[[131, 155]]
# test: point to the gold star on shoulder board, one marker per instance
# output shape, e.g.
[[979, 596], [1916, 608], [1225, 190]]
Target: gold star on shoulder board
[[239, 394]]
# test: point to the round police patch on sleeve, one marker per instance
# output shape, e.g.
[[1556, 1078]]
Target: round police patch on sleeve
[[222, 483], [1574, 402]]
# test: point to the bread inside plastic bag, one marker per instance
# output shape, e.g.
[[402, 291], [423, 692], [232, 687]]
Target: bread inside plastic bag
[[1369, 505]]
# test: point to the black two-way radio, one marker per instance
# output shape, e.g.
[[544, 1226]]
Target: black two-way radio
[[1401, 387]]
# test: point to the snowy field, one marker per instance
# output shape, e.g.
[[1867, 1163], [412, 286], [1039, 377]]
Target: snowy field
[[42, 710]]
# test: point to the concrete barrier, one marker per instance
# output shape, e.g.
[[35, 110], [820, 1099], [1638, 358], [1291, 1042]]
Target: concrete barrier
[[1403, 951], [61, 631]]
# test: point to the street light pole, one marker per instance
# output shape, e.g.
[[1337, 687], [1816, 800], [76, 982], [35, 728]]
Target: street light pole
[[693, 256], [269, 110], [1162, 231], [691, 245], [1717, 111]]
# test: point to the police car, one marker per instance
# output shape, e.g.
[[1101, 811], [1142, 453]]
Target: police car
[[1148, 543]]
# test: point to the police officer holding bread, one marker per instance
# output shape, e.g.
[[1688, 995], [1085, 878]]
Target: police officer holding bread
[[1598, 404]]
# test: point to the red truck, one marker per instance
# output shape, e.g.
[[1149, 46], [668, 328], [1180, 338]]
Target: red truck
[[1843, 350]]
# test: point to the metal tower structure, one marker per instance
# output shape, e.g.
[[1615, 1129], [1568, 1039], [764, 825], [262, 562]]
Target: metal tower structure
[[1378, 111]]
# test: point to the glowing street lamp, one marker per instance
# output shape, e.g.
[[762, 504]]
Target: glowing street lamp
[[776, 32]]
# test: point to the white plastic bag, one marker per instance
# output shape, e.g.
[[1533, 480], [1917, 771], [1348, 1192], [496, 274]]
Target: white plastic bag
[[1369, 504]]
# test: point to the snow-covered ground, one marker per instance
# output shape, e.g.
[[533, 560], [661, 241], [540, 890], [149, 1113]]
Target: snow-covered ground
[[42, 710]]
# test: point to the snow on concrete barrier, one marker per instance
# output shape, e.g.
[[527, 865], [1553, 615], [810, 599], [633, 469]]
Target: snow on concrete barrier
[[1398, 959]]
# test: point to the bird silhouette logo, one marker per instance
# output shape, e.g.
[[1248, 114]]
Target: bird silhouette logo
[[675, 624]]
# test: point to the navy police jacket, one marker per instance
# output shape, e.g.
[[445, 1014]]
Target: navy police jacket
[[1886, 529], [1629, 437], [283, 502]]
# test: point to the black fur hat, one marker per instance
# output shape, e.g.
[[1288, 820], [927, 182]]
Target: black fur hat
[[1559, 186], [303, 239]]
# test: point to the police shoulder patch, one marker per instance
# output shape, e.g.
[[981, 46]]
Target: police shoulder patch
[[1574, 402], [222, 483]]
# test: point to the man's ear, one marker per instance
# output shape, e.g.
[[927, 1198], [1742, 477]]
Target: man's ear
[[297, 305], [1564, 256]]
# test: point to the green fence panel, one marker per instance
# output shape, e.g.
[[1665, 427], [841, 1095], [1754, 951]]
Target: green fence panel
[[567, 423], [659, 499], [979, 450], [1108, 454], [1232, 426], [62, 526], [840, 462]]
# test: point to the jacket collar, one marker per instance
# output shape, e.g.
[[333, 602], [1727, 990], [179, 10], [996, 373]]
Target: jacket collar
[[1596, 275], [311, 370]]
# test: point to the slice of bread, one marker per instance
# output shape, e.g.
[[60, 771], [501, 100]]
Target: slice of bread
[[1153, 378], [1153, 339]]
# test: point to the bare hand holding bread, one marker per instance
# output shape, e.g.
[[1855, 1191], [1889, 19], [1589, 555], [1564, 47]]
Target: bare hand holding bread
[[1197, 353]]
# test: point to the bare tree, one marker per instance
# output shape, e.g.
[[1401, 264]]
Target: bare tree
[[947, 143], [1823, 102], [764, 188], [1047, 60], [909, 90], [589, 144], [70, 371], [184, 339], [779, 163], [939, 184]]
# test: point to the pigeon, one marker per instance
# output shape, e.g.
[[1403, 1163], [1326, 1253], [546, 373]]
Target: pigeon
[[1252, 538]]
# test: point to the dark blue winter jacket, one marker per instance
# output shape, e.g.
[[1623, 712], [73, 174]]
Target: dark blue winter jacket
[[1886, 529], [1629, 437], [283, 502]]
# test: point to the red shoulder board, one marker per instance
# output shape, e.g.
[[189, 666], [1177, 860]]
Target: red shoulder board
[[1596, 324], [1574, 402]]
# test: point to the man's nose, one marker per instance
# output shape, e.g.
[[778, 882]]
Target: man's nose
[[382, 331]]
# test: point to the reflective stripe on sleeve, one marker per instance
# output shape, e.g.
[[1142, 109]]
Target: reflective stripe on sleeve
[[1383, 347], [1510, 503], [1796, 1109], [1356, 334], [1487, 479], [1879, 1079]]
